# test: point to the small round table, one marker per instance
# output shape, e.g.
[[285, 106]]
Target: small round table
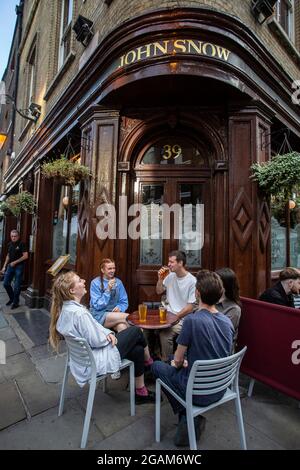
[[152, 320]]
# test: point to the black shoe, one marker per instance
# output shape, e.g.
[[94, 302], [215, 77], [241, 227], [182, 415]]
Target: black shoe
[[182, 437], [14, 306], [9, 302], [141, 399]]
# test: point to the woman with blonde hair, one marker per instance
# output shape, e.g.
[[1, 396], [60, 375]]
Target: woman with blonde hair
[[108, 297], [70, 318]]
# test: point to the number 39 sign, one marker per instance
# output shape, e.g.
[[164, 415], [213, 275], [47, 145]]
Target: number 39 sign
[[171, 151]]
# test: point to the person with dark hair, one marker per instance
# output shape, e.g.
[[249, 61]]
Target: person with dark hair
[[207, 334], [179, 285], [14, 268], [230, 303], [70, 318], [282, 292]]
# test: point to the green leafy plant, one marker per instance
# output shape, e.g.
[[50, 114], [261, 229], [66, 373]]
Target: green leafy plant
[[71, 172], [279, 177], [17, 203]]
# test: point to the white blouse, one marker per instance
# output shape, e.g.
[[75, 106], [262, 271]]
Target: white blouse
[[76, 321]]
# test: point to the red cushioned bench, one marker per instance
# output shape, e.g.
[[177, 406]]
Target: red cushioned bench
[[272, 336]]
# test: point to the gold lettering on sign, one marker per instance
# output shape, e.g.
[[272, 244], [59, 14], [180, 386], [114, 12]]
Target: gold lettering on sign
[[163, 49], [193, 47], [143, 50], [213, 49], [179, 44], [173, 46], [174, 151]]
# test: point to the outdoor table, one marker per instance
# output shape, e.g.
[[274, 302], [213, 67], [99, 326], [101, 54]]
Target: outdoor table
[[152, 320]]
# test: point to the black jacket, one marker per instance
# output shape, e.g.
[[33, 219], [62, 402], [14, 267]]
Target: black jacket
[[277, 295]]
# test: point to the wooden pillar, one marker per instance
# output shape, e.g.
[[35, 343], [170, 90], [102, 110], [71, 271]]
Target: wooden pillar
[[249, 214], [41, 231], [100, 128]]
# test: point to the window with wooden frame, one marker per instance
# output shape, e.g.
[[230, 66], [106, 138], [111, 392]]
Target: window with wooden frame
[[31, 76], [65, 31], [285, 16]]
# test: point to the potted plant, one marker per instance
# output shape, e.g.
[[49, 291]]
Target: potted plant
[[279, 177], [68, 171], [17, 203]]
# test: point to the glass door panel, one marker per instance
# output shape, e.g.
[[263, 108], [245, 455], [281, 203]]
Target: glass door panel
[[151, 243], [192, 222]]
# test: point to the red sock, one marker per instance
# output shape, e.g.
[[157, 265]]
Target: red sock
[[142, 391]]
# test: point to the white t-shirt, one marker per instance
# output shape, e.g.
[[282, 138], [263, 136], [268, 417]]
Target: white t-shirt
[[180, 291]]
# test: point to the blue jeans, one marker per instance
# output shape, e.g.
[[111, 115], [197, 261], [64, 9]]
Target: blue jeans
[[171, 377], [16, 273]]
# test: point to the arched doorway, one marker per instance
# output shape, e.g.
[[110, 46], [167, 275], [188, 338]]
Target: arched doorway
[[172, 183]]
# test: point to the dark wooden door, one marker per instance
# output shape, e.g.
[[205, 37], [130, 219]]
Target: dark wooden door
[[162, 230]]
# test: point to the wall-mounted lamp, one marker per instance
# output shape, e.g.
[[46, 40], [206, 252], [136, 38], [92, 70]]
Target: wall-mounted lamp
[[262, 9], [83, 30], [32, 113], [65, 201]]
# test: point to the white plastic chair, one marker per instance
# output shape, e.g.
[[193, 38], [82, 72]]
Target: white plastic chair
[[206, 378], [80, 352]]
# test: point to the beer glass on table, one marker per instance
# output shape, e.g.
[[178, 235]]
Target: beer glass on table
[[142, 313]]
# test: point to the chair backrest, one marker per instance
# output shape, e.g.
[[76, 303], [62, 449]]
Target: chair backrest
[[80, 352], [214, 375]]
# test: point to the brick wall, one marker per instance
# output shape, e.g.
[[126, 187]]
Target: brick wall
[[45, 23]]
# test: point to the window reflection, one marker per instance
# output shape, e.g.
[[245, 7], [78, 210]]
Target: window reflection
[[151, 233], [192, 235], [172, 150], [65, 222]]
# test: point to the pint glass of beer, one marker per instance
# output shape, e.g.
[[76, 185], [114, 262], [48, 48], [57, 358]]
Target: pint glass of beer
[[163, 272], [162, 314], [142, 313]]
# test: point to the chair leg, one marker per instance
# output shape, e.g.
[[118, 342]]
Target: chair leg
[[88, 413], [250, 389], [191, 430], [239, 415], [157, 411], [132, 389], [63, 389]]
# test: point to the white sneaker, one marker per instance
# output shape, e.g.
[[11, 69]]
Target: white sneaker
[[116, 375]]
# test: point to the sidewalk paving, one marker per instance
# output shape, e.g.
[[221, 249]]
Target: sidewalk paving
[[30, 388]]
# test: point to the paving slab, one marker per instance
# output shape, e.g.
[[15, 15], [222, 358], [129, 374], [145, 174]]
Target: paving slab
[[13, 347], [17, 366], [3, 322], [35, 323], [11, 407], [45, 351], [140, 433], [52, 368], [6, 333], [280, 422], [37, 395], [48, 431]]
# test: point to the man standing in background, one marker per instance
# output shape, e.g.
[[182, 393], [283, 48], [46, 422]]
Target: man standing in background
[[14, 268]]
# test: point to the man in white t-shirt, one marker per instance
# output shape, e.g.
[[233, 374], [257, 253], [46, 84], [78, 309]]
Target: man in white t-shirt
[[180, 290]]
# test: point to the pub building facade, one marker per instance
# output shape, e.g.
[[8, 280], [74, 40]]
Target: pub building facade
[[165, 105]]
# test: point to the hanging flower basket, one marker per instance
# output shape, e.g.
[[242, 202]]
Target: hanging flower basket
[[18, 203], [65, 171], [279, 177]]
